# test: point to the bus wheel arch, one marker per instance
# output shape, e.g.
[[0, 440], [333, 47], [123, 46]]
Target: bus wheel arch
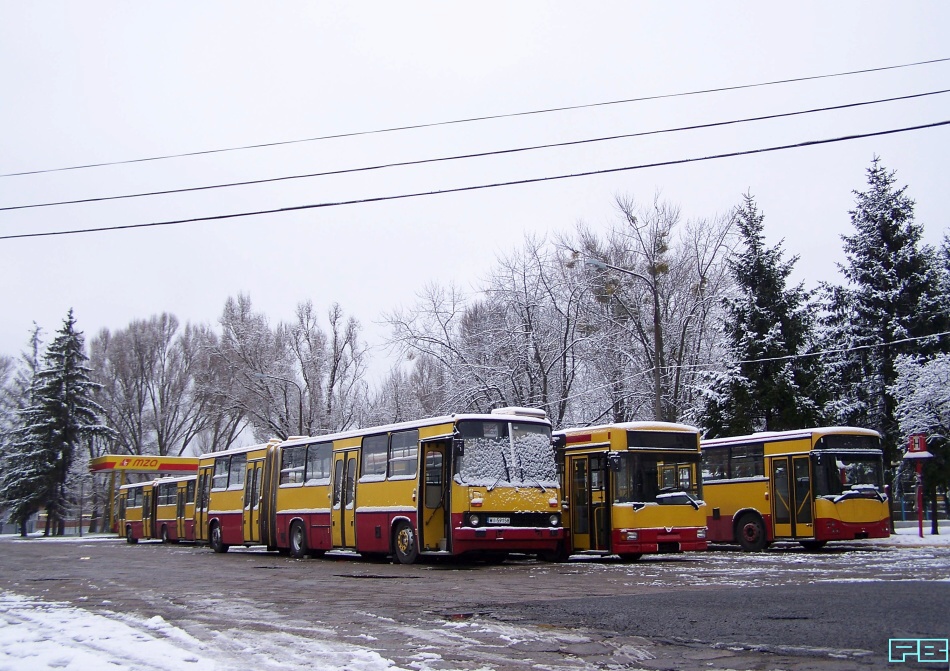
[[129, 536], [405, 542], [750, 531], [215, 538], [298, 539]]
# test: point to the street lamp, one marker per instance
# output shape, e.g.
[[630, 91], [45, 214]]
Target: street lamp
[[657, 329], [299, 397]]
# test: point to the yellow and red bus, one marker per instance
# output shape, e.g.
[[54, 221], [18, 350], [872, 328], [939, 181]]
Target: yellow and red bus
[[631, 489], [228, 496], [482, 485], [174, 499], [810, 486], [136, 511]]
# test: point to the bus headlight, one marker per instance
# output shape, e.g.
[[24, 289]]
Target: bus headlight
[[554, 520], [632, 535], [473, 520], [701, 533]]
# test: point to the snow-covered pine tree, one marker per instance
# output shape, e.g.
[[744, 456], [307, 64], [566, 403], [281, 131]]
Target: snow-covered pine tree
[[21, 469], [922, 391], [768, 386], [63, 416], [893, 293]]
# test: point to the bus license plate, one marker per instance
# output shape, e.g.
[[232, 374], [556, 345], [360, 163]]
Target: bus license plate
[[499, 520]]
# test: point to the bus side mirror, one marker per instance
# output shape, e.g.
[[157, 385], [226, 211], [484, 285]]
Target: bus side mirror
[[458, 446], [559, 441], [613, 462]]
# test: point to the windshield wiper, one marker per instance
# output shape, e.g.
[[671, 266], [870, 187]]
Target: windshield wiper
[[507, 476]]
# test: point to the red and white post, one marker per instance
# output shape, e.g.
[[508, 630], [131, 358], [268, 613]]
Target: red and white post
[[917, 450]]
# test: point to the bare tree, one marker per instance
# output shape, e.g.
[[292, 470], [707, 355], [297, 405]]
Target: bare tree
[[294, 379], [654, 284], [149, 374], [514, 344]]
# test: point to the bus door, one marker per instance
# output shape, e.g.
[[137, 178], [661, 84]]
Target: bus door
[[588, 498], [252, 501], [201, 504], [344, 499], [435, 499], [180, 503], [147, 513], [792, 497]]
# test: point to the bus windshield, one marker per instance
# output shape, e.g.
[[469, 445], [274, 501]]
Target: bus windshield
[[512, 454], [648, 477], [838, 472]]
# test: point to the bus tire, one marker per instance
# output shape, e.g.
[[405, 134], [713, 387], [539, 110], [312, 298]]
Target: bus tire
[[750, 533], [216, 542], [298, 541], [404, 544], [813, 546], [129, 538], [165, 538], [631, 556]]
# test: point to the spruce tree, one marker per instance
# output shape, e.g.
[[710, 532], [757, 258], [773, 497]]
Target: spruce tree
[[893, 293], [769, 385], [22, 474], [53, 427]]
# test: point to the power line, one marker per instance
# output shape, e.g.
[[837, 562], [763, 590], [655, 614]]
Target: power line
[[490, 117], [473, 155], [705, 367], [476, 187]]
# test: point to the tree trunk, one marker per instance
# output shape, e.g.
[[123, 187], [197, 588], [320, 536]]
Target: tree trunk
[[934, 511]]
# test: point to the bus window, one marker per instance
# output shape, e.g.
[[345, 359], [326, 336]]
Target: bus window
[[237, 472], [433, 498], [220, 478], [292, 463], [319, 459], [374, 458], [404, 454], [747, 461]]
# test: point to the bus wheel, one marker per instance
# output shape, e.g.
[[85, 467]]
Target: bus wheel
[[404, 541], [813, 546], [215, 535], [750, 532], [129, 538], [165, 538], [298, 541], [631, 556]]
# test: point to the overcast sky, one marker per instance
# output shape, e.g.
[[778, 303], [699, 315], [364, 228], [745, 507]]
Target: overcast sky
[[95, 82]]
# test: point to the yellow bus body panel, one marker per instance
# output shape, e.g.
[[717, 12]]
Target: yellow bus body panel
[[623, 516], [857, 511]]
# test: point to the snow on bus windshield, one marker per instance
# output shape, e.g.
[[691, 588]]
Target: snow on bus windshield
[[506, 454]]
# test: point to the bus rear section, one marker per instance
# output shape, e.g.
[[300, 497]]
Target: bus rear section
[[175, 509], [809, 486], [228, 499], [136, 511], [632, 488]]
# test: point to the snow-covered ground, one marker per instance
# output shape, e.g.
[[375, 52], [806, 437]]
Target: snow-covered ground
[[908, 535], [36, 635]]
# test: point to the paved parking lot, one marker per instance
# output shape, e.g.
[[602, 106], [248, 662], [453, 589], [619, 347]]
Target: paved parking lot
[[784, 608]]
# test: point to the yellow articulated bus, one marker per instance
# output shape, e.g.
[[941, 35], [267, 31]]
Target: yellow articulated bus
[[136, 511], [174, 499], [482, 485], [810, 486], [631, 489]]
